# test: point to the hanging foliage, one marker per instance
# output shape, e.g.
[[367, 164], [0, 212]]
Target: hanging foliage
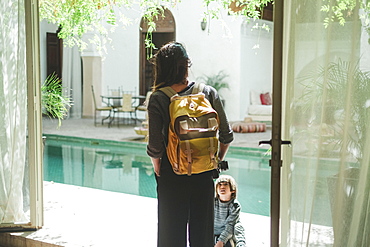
[[343, 10], [78, 17], [340, 10]]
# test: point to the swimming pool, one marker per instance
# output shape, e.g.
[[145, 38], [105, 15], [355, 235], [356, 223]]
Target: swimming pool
[[125, 167]]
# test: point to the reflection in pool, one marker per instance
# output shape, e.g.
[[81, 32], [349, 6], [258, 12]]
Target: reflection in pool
[[126, 168]]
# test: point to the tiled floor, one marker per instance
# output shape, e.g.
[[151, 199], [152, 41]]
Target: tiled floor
[[81, 217]]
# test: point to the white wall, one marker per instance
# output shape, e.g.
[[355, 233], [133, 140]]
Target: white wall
[[121, 63], [256, 61]]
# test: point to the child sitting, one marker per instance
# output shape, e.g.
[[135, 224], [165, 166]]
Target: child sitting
[[228, 230]]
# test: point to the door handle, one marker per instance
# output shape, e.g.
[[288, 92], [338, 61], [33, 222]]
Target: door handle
[[289, 143], [264, 143], [270, 143]]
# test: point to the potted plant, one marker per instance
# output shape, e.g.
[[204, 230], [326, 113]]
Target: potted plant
[[217, 81], [333, 82], [53, 102]]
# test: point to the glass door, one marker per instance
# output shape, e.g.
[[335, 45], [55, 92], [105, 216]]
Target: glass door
[[326, 109]]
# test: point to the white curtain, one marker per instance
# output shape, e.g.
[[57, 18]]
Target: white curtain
[[13, 110], [325, 175], [72, 79]]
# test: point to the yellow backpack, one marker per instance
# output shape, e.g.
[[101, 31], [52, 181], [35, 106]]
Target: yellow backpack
[[192, 137]]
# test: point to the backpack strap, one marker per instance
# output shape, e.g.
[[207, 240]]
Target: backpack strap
[[198, 87], [212, 150], [168, 91], [188, 152]]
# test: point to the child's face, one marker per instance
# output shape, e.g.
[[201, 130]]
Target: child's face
[[224, 191]]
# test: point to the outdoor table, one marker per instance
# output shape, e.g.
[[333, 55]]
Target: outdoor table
[[109, 100]]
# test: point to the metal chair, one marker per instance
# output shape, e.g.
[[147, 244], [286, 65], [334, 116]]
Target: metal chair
[[115, 102], [144, 106], [126, 107], [100, 108]]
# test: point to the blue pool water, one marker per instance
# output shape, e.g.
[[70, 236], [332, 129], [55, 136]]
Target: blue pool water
[[125, 167]]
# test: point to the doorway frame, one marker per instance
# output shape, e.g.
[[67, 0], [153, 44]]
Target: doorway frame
[[164, 24], [35, 142]]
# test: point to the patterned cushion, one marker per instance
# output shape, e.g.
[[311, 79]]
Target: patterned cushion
[[243, 127], [265, 99]]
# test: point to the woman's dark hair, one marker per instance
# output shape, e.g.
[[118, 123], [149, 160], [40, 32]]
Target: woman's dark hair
[[170, 65]]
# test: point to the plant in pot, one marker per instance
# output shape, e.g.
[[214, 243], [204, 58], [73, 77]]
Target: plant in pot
[[327, 88], [339, 94], [54, 104], [217, 81]]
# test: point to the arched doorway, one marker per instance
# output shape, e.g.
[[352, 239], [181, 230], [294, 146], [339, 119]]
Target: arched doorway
[[165, 32]]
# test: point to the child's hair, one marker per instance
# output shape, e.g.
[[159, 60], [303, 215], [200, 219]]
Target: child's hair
[[229, 179]]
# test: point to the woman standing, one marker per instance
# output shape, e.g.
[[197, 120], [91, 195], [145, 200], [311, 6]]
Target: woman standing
[[185, 203]]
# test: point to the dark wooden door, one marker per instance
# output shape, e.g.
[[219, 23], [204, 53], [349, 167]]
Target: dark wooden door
[[54, 54]]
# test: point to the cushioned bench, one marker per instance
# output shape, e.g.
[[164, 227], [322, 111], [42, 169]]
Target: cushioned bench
[[260, 108]]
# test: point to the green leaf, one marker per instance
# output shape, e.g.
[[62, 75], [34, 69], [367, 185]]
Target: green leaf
[[53, 102]]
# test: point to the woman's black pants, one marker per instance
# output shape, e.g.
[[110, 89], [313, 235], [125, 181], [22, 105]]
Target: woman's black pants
[[185, 205]]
